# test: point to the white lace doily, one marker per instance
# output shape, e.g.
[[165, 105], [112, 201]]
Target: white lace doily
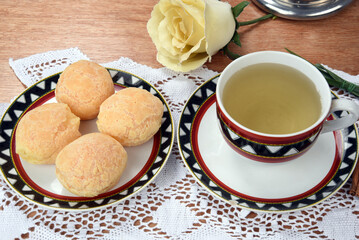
[[174, 205]]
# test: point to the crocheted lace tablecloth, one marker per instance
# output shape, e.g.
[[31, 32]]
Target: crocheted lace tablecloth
[[174, 205]]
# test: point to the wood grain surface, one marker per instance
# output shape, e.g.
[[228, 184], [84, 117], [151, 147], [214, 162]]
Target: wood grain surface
[[106, 30]]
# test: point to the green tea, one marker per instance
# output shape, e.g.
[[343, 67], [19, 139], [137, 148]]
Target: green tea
[[272, 98]]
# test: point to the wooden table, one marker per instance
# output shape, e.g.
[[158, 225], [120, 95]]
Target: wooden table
[[106, 30]]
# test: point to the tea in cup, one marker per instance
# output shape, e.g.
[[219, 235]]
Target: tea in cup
[[272, 106]]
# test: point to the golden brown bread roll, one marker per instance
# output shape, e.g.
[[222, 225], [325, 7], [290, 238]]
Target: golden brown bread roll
[[91, 165], [84, 85], [132, 116], [44, 131]]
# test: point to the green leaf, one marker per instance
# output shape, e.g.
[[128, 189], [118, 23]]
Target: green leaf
[[342, 83], [237, 24], [239, 8], [291, 52], [236, 40]]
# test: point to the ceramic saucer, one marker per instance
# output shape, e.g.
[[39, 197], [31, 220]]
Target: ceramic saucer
[[271, 187]]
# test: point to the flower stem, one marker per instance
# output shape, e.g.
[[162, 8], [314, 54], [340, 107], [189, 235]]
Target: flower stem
[[256, 20]]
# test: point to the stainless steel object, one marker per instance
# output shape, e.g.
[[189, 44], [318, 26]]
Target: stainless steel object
[[302, 9]]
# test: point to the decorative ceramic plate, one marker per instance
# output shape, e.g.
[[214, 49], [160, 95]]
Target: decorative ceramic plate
[[38, 183], [270, 187]]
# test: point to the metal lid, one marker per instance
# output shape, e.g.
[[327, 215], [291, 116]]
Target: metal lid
[[302, 9]]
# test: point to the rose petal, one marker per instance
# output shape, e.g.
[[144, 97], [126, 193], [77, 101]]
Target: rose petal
[[220, 25], [198, 48], [183, 29], [189, 30], [188, 65], [195, 9], [153, 22], [177, 29], [165, 38], [196, 34]]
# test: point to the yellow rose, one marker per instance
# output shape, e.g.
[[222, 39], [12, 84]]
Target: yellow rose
[[188, 32]]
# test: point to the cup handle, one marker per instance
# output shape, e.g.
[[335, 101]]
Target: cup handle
[[342, 122]]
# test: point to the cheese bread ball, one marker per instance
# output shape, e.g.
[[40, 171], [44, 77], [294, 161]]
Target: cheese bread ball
[[44, 131], [84, 85], [91, 165], [132, 116]]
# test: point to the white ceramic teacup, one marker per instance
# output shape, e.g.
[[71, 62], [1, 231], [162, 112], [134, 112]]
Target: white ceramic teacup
[[281, 147]]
